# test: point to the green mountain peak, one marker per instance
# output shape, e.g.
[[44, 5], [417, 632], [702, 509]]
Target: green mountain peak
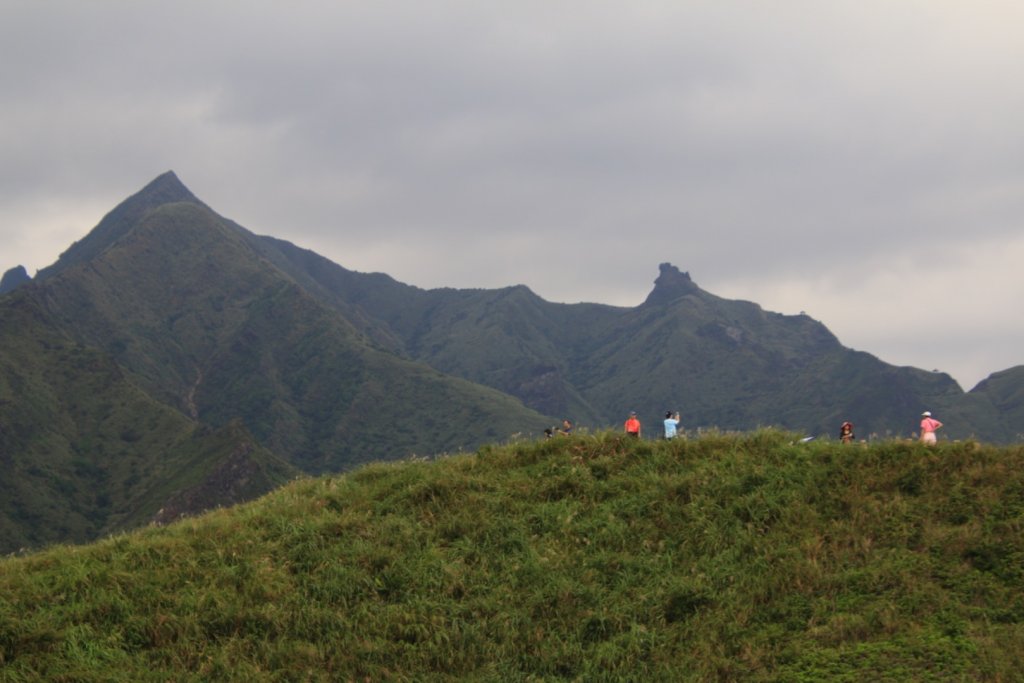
[[164, 189]]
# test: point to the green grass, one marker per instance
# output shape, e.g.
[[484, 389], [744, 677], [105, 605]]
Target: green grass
[[591, 558]]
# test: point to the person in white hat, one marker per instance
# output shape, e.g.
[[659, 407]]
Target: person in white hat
[[928, 427]]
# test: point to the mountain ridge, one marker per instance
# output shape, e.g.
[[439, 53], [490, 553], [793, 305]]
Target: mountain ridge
[[409, 322], [214, 330]]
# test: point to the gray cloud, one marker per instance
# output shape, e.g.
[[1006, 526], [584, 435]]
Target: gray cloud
[[862, 161]]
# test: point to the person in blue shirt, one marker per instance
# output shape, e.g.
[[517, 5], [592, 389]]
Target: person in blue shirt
[[671, 424]]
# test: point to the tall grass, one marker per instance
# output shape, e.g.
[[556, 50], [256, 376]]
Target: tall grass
[[591, 557]]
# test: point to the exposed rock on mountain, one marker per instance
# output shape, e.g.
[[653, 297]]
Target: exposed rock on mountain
[[670, 285], [14, 278]]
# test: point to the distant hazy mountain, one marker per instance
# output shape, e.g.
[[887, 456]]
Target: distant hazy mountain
[[722, 363], [172, 360]]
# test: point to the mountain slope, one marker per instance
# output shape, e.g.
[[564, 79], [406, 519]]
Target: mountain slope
[[1004, 391], [206, 323], [85, 451], [509, 339], [733, 365], [723, 363], [164, 365]]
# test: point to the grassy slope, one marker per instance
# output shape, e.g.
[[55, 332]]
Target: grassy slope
[[588, 557]]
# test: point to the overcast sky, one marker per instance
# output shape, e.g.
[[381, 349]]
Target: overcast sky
[[858, 160]]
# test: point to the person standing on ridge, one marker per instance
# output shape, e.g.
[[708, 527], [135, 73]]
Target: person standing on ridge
[[632, 425], [929, 425], [846, 432], [671, 424]]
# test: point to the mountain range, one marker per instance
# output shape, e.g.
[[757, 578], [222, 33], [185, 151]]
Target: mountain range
[[172, 361]]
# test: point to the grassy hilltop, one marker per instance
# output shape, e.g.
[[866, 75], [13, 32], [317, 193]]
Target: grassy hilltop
[[591, 557]]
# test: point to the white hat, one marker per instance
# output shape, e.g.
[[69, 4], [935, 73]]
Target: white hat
[[926, 414]]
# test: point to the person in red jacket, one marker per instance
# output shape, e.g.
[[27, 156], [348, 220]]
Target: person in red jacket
[[632, 426]]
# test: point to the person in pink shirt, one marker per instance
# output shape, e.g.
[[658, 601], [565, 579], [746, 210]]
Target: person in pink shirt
[[928, 427]]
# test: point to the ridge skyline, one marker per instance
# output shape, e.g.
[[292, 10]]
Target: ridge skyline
[[169, 185]]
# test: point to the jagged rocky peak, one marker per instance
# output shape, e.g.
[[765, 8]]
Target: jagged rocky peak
[[14, 278], [670, 285], [166, 188]]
